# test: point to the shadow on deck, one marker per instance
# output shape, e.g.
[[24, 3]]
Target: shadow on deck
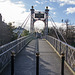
[[25, 61]]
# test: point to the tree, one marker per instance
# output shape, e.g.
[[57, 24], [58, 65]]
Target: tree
[[25, 32], [69, 33]]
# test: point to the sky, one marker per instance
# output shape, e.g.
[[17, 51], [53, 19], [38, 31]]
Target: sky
[[17, 10]]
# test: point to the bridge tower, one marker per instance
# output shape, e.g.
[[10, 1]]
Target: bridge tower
[[39, 15]]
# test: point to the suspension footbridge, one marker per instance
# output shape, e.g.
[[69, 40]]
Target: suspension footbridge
[[34, 56]]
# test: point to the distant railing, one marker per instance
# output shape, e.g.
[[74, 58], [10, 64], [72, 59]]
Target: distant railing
[[17, 46], [63, 47]]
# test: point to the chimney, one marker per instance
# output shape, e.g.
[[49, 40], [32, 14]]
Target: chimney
[[0, 18]]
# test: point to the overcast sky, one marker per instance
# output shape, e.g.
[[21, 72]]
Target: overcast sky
[[17, 10]]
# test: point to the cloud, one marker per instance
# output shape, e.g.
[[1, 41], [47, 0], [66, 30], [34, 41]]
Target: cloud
[[19, 2], [4, 0], [72, 2], [70, 10], [57, 24], [35, 5], [53, 0], [41, 2], [40, 24], [67, 2], [13, 11], [50, 8], [54, 13], [63, 2], [37, 2]]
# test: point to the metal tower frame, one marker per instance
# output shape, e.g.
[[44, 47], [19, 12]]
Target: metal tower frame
[[38, 15]]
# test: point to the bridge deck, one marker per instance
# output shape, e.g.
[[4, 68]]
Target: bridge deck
[[25, 62]]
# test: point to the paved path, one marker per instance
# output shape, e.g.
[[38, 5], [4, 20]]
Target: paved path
[[50, 63], [25, 62]]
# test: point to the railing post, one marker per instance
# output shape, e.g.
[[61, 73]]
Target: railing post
[[66, 52], [56, 44], [37, 57], [37, 45], [37, 63], [62, 63], [60, 47], [12, 62]]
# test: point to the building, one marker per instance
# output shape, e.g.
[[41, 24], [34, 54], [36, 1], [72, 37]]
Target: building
[[0, 18], [5, 34]]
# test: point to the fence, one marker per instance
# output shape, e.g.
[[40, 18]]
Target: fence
[[67, 49], [17, 46]]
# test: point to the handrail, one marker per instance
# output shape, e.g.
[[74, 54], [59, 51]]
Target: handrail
[[16, 46], [63, 42], [13, 47], [12, 42], [64, 47]]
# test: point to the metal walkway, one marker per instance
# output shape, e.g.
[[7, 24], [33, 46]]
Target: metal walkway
[[25, 61]]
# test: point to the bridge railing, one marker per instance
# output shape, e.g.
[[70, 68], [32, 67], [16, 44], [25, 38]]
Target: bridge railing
[[17, 46], [63, 47]]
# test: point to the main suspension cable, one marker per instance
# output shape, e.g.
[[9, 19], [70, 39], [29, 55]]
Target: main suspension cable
[[25, 20], [57, 28], [24, 24]]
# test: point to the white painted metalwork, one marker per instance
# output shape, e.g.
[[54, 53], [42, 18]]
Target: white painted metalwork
[[17, 46], [63, 47]]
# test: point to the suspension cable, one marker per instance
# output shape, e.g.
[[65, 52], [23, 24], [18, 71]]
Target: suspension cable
[[24, 23], [57, 28], [25, 20]]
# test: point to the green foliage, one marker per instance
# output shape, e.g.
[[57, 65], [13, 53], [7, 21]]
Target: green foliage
[[70, 36], [51, 32], [11, 28], [6, 33], [15, 35], [25, 33]]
